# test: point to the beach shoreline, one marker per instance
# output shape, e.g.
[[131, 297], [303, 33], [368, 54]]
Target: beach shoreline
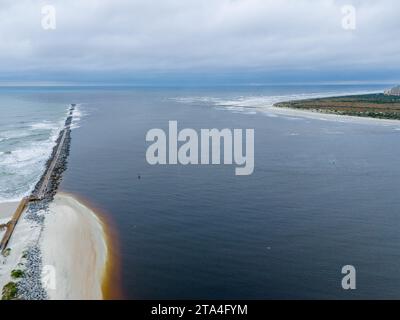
[[317, 115], [56, 247], [111, 282], [74, 244], [363, 108]]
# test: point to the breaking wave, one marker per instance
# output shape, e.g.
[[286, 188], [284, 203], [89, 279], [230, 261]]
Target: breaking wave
[[259, 103], [24, 150]]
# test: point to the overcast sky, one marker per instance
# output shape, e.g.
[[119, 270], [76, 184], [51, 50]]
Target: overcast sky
[[250, 40]]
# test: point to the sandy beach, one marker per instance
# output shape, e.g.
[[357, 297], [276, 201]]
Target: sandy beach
[[327, 116], [73, 248], [73, 244], [58, 248], [7, 209]]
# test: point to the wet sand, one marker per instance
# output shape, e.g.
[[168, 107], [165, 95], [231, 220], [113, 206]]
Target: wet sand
[[74, 245]]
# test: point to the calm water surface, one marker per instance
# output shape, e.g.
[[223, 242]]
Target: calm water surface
[[323, 194]]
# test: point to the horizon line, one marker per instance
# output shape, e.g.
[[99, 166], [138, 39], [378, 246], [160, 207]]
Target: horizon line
[[5, 84]]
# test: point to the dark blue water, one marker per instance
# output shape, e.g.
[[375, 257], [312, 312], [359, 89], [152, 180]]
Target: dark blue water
[[324, 194]]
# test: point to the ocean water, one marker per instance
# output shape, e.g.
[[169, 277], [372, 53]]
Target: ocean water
[[28, 130], [323, 193]]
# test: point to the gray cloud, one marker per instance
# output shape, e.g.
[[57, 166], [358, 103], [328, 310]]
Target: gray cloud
[[182, 35]]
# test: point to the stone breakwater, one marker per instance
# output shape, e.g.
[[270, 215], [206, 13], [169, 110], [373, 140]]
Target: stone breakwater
[[51, 185], [31, 286]]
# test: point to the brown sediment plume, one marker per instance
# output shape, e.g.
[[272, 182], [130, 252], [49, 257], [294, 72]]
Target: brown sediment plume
[[111, 282]]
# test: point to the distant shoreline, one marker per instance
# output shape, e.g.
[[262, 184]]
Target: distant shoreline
[[375, 106]]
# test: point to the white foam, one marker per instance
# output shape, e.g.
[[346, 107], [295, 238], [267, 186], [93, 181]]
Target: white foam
[[45, 125], [27, 155], [22, 167], [77, 115], [14, 134], [261, 103]]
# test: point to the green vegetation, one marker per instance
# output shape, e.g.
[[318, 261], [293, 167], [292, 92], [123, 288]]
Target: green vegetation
[[10, 291], [369, 105], [16, 273]]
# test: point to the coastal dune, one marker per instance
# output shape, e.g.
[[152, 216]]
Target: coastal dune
[[74, 249]]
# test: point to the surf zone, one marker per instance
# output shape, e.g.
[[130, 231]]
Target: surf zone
[[209, 146]]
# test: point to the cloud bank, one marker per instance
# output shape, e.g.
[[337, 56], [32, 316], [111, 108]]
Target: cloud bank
[[128, 37]]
